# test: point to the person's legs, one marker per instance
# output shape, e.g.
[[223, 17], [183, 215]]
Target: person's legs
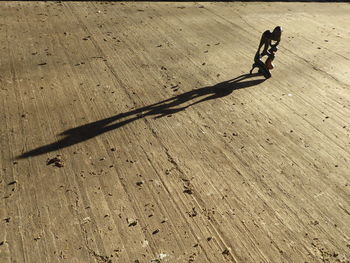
[[253, 67]]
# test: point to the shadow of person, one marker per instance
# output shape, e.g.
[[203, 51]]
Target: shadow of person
[[163, 108]]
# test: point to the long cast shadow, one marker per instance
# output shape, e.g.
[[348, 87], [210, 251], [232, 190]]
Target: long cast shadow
[[158, 110]]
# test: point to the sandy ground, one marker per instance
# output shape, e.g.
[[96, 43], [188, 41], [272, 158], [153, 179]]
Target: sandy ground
[[130, 133]]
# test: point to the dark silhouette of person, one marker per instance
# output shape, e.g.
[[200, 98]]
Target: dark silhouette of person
[[269, 50]]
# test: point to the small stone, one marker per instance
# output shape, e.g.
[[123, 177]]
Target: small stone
[[226, 252], [132, 224], [188, 191], [139, 183], [193, 212], [155, 232], [56, 161], [13, 182]]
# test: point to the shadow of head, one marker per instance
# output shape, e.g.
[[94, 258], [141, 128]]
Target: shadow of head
[[227, 87]]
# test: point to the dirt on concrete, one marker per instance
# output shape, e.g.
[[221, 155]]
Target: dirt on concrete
[[131, 132]]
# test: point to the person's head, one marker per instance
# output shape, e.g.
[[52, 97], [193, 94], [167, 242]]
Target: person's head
[[276, 33]]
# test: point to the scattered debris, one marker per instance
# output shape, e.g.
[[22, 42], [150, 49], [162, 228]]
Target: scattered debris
[[140, 183], [175, 87], [56, 161], [315, 222], [13, 182], [131, 222], [226, 252], [193, 212], [155, 232], [187, 186], [188, 191]]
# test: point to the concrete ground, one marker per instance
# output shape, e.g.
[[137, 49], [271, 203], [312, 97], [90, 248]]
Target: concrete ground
[[130, 132]]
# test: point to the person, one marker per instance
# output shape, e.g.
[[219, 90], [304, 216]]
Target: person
[[269, 50]]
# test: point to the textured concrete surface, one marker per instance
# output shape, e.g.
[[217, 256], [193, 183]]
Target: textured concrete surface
[[129, 132]]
